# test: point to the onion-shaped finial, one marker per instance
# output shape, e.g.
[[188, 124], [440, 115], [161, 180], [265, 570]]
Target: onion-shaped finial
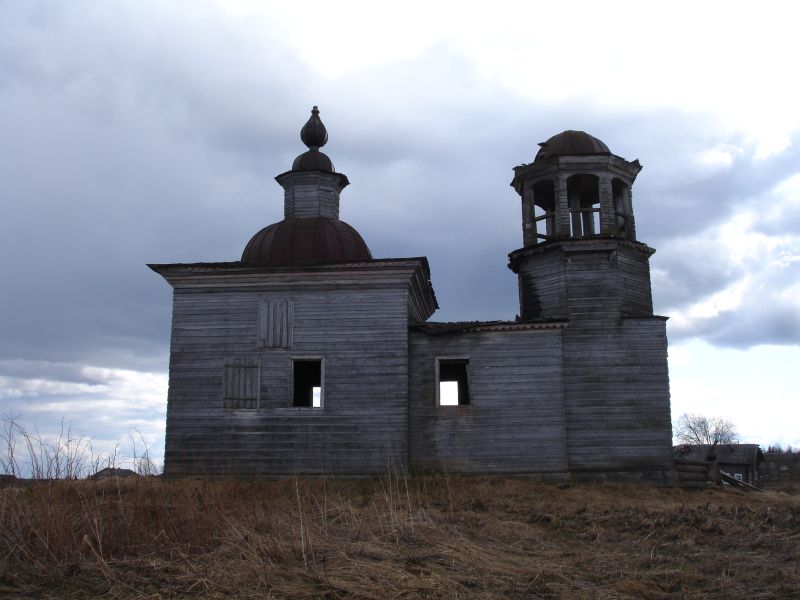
[[313, 133]]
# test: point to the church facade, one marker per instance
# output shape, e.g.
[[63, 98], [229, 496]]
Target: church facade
[[310, 356]]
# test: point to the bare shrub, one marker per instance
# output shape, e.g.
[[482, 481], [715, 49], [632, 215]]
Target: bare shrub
[[141, 461], [26, 453], [29, 454], [697, 429]]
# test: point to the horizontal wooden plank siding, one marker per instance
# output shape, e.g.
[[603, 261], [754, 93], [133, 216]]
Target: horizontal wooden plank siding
[[563, 280], [578, 388], [633, 281], [616, 385], [543, 287], [359, 329], [515, 420]]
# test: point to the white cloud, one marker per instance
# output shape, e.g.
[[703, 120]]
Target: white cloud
[[754, 389], [105, 411], [716, 158], [15, 387], [727, 60], [759, 253]]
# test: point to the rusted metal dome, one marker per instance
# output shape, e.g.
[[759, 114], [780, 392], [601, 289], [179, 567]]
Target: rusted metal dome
[[571, 143], [305, 241]]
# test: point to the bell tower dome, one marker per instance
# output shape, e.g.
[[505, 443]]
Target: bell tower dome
[[579, 250], [576, 188]]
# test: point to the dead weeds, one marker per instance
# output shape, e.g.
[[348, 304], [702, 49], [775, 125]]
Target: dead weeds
[[395, 537]]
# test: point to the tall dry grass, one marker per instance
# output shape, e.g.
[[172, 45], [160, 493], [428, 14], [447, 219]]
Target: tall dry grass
[[396, 536], [26, 453]]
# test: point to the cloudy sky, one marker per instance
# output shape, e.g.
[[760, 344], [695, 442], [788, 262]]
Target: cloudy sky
[[143, 131]]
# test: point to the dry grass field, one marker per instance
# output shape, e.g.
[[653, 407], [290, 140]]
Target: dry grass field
[[395, 537]]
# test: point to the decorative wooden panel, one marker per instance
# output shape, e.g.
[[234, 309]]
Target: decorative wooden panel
[[275, 323], [241, 382]]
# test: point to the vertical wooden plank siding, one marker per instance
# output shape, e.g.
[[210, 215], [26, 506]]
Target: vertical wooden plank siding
[[240, 382], [275, 323]]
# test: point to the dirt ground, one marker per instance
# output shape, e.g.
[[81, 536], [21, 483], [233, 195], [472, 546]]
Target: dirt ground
[[395, 537]]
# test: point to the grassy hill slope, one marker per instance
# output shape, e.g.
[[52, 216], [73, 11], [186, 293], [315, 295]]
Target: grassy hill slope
[[395, 537]]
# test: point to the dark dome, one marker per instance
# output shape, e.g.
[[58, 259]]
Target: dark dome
[[306, 241], [313, 160], [313, 134], [571, 143]]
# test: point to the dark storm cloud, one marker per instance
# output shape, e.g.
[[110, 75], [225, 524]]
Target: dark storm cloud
[[680, 278], [116, 154], [693, 201], [774, 324], [747, 197], [29, 369], [130, 140], [443, 189], [763, 318]]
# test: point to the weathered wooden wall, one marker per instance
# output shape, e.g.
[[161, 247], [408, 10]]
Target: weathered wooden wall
[[631, 266], [616, 384], [515, 421], [310, 194], [552, 278], [543, 287], [356, 321], [616, 388], [585, 398]]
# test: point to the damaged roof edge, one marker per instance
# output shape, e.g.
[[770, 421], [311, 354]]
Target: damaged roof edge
[[434, 328]]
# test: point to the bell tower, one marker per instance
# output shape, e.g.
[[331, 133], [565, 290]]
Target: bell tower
[[581, 263], [576, 202]]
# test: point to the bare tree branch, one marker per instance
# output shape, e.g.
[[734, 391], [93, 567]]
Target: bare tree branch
[[697, 429]]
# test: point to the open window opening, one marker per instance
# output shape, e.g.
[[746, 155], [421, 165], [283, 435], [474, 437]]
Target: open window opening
[[583, 192], [307, 383], [452, 384], [544, 202]]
